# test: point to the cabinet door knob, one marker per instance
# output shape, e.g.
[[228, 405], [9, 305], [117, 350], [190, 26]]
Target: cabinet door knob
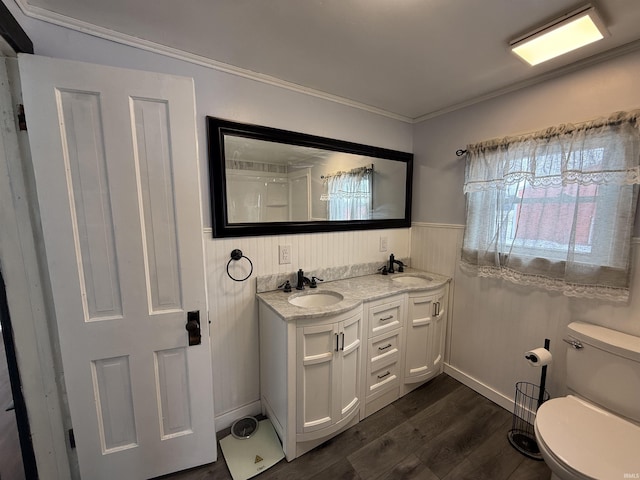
[[386, 374], [384, 319], [385, 347]]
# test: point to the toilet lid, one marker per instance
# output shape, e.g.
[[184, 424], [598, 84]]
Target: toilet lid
[[589, 440]]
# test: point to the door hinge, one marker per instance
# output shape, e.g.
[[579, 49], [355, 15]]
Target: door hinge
[[22, 118], [72, 439]]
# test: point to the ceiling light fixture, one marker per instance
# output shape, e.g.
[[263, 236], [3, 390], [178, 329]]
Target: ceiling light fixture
[[569, 32]]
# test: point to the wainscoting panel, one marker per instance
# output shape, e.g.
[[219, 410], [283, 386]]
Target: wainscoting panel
[[436, 247], [492, 322], [233, 310]]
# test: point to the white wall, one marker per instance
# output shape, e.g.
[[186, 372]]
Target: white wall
[[233, 312], [590, 93], [494, 322]]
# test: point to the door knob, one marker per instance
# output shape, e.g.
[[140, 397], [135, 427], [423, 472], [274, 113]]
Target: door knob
[[193, 327]]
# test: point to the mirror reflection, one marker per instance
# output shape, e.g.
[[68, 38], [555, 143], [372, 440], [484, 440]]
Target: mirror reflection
[[268, 181], [276, 182]]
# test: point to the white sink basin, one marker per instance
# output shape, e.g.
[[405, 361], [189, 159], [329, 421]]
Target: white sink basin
[[412, 280], [320, 299]]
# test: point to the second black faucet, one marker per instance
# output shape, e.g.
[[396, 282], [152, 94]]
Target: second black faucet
[[392, 261]]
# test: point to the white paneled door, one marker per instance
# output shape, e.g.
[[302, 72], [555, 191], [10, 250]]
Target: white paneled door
[[115, 161]]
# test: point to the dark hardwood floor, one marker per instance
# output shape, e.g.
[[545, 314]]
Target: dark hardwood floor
[[440, 431]]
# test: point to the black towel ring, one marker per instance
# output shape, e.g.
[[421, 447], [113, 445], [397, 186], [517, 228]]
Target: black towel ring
[[236, 254]]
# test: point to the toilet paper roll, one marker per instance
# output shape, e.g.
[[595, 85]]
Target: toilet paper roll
[[538, 357]]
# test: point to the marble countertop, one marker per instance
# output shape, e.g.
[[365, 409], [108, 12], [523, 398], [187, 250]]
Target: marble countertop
[[354, 290]]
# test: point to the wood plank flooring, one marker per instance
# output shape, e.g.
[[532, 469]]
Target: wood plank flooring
[[440, 431]]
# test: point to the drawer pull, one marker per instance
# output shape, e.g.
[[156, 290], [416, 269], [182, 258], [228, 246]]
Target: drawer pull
[[385, 347], [380, 377], [386, 318]]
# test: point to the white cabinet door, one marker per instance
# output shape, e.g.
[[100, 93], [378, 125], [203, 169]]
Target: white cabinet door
[[328, 373], [439, 332], [424, 327], [316, 376], [350, 347], [116, 170]]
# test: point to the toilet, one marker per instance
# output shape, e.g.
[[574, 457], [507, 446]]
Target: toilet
[[594, 432]]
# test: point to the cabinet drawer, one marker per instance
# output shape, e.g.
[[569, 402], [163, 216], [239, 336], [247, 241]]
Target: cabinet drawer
[[384, 318], [383, 350], [383, 379]]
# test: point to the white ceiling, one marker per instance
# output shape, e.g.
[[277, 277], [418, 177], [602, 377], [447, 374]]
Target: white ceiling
[[409, 58]]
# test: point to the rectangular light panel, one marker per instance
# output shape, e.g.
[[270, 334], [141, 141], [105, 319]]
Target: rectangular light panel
[[560, 38]]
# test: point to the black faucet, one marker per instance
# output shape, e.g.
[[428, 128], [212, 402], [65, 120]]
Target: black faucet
[[302, 280], [392, 261]]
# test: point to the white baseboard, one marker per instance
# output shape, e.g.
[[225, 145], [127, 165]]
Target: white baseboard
[[226, 419], [483, 389]]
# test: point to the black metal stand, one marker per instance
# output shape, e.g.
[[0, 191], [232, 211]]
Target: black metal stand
[[528, 399], [543, 376]]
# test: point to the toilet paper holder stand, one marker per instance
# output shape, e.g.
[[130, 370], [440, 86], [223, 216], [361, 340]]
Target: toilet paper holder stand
[[528, 399], [543, 374]]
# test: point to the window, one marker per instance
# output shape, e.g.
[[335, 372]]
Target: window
[[348, 195], [556, 208]]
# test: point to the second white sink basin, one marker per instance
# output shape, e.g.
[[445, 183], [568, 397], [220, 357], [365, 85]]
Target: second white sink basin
[[413, 280], [320, 299]]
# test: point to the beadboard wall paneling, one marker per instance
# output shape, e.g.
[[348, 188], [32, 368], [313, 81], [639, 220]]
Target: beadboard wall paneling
[[436, 247], [233, 310], [494, 322]]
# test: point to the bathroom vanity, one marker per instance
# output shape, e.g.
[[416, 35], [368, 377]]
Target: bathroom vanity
[[332, 355]]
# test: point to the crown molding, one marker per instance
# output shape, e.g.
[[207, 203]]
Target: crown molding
[[129, 40], [44, 15]]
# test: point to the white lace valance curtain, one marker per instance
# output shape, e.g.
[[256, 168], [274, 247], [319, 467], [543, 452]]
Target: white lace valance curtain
[[556, 208], [348, 195]]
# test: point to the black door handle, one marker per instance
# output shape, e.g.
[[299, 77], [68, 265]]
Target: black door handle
[[193, 327]]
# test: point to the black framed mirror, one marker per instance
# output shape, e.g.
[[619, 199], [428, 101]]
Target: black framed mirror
[[267, 181]]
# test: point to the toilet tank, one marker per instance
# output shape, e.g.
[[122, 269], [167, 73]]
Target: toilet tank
[[606, 370]]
